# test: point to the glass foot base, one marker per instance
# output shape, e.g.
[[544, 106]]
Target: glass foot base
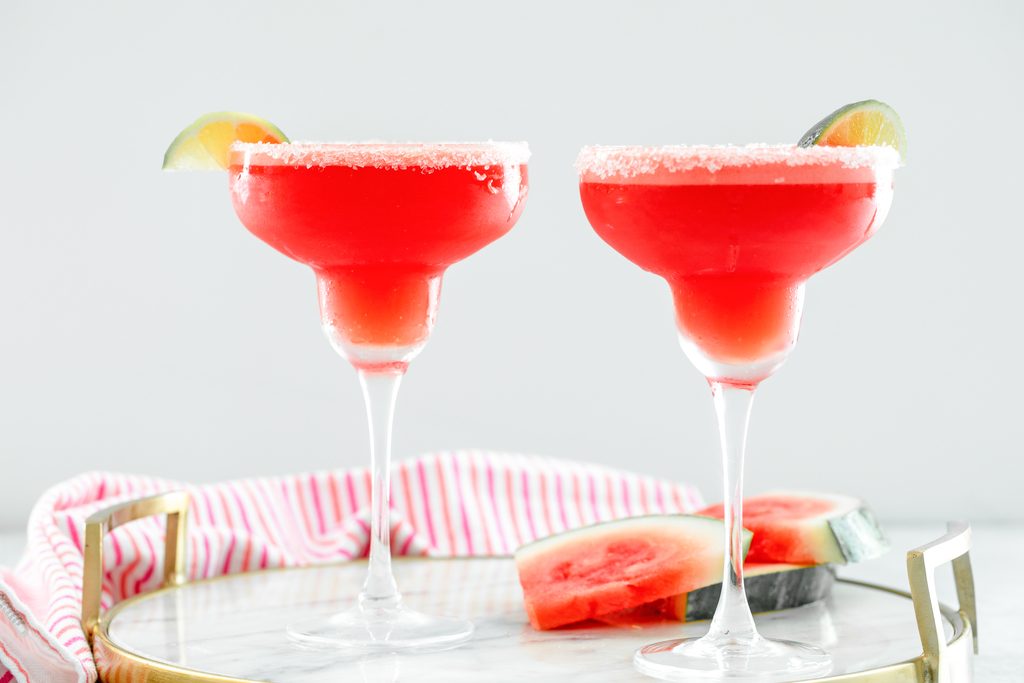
[[705, 658], [375, 631]]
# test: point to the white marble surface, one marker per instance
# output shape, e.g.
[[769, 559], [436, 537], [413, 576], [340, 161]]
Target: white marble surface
[[997, 555], [237, 627]]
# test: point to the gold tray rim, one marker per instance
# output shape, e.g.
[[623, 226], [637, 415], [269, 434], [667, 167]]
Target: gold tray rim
[[129, 665], [939, 660]]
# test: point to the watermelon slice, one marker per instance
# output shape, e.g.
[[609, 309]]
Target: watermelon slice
[[618, 565], [809, 528], [769, 587]]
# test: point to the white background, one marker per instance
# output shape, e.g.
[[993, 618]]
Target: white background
[[143, 329]]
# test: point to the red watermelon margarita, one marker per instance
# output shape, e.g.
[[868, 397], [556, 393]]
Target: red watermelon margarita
[[379, 224], [736, 232]]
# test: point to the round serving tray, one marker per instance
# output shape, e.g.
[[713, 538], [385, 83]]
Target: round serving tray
[[235, 627], [232, 628]]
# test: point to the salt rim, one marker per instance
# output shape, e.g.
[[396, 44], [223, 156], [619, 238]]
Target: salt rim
[[627, 161], [429, 155]]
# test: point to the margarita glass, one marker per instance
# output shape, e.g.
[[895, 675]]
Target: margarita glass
[[736, 232], [379, 224]]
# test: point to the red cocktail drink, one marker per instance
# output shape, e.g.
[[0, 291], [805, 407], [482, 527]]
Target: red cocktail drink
[[379, 224], [736, 232]]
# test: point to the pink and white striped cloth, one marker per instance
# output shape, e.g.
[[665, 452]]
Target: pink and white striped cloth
[[446, 504]]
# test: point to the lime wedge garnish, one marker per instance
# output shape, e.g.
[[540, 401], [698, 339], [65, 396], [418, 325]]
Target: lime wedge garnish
[[862, 123], [203, 146]]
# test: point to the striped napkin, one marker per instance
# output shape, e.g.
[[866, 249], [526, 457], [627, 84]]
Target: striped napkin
[[461, 503]]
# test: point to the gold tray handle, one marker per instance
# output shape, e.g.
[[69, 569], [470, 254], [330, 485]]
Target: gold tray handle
[[174, 504], [954, 547]]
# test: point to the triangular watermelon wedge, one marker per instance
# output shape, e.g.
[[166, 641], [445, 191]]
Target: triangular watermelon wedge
[[809, 528], [613, 566]]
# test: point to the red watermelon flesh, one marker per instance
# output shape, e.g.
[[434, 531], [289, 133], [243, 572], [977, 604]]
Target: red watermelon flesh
[[613, 566], [769, 587], [809, 528]]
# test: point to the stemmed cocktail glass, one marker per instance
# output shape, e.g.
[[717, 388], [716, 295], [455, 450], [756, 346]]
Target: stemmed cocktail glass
[[736, 232], [379, 224]]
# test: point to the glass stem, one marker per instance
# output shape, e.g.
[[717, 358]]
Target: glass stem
[[733, 621], [380, 389]]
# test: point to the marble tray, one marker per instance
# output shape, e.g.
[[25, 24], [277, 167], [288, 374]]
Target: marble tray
[[232, 628]]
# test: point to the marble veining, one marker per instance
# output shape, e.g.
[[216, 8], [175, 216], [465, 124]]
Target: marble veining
[[235, 626]]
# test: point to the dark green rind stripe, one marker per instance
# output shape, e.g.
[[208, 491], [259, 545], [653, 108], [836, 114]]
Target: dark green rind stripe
[[768, 592], [859, 535]]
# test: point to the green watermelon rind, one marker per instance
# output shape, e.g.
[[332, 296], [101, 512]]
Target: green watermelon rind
[[849, 532], [859, 536], [769, 588]]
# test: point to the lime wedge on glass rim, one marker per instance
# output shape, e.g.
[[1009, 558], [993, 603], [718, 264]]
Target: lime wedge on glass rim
[[862, 123], [204, 145]]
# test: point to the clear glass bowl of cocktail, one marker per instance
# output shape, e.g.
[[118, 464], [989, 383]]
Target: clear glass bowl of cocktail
[[379, 224], [736, 231]]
